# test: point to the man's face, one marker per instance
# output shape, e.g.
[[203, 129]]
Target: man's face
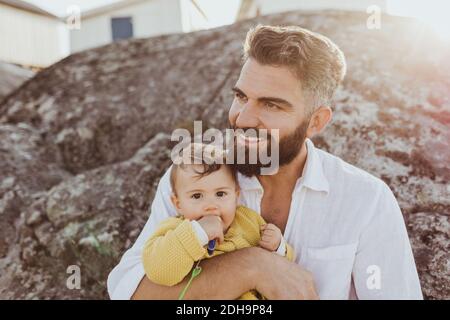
[[268, 97]]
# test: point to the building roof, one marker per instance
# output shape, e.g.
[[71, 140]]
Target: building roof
[[126, 3], [22, 5], [110, 7]]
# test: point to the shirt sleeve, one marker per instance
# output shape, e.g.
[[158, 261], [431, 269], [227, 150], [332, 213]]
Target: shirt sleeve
[[282, 248], [201, 234], [170, 253], [126, 276], [384, 264]]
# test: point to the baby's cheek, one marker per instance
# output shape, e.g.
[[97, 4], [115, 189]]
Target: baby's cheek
[[230, 216]]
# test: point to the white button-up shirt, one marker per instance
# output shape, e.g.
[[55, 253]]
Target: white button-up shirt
[[344, 224]]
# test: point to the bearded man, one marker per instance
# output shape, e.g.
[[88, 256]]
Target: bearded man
[[344, 224]]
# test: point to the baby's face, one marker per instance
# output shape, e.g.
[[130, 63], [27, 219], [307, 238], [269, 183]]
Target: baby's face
[[212, 194]]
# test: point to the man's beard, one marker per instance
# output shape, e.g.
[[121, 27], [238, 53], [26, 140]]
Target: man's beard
[[289, 148]]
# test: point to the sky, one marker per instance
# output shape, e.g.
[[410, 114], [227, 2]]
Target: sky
[[433, 12]]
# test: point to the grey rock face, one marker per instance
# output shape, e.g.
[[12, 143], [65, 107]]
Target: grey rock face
[[83, 145]]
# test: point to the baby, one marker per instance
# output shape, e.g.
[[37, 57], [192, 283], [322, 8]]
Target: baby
[[206, 198]]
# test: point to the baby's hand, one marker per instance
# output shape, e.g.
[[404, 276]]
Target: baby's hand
[[270, 237], [213, 227]]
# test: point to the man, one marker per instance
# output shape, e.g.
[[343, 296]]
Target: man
[[345, 225]]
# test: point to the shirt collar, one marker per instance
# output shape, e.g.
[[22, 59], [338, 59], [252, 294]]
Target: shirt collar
[[312, 177]]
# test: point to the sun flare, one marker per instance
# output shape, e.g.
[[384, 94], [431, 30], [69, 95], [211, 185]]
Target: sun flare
[[432, 12]]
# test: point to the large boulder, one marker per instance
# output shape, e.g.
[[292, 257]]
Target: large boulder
[[28, 168], [86, 141]]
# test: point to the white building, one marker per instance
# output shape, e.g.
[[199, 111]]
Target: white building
[[135, 19], [31, 36], [252, 8]]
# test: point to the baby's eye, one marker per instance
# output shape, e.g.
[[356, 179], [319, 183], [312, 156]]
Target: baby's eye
[[196, 196], [221, 193]]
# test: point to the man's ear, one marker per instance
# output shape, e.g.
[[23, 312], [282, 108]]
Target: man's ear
[[175, 201], [319, 119]]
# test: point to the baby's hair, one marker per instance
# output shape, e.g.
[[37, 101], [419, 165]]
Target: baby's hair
[[208, 157]]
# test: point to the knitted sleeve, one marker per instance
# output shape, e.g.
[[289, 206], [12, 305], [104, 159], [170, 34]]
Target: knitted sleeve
[[290, 252], [170, 253]]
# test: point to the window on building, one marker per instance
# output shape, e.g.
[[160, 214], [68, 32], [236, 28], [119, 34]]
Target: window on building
[[122, 28]]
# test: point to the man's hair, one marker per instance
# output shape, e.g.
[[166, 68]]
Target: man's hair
[[313, 58], [209, 159]]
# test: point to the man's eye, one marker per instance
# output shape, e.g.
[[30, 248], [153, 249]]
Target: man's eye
[[239, 96], [270, 105], [196, 196], [221, 193]]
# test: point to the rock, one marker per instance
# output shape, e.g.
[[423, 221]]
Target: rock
[[84, 143], [429, 235], [27, 166], [86, 220]]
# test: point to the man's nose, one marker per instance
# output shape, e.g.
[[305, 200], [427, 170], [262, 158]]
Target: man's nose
[[247, 116]]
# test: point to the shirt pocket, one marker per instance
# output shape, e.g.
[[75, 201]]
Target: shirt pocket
[[332, 268]]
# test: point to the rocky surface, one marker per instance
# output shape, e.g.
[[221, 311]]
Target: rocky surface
[[83, 144], [11, 77]]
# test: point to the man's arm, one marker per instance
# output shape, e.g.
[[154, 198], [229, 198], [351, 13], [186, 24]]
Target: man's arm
[[228, 276], [224, 276], [212, 283], [384, 267]]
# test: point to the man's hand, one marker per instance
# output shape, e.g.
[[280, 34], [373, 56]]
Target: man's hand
[[270, 237], [213, 227], [284, 280]]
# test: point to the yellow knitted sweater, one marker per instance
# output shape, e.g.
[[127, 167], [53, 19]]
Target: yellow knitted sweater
[[170, 253]]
